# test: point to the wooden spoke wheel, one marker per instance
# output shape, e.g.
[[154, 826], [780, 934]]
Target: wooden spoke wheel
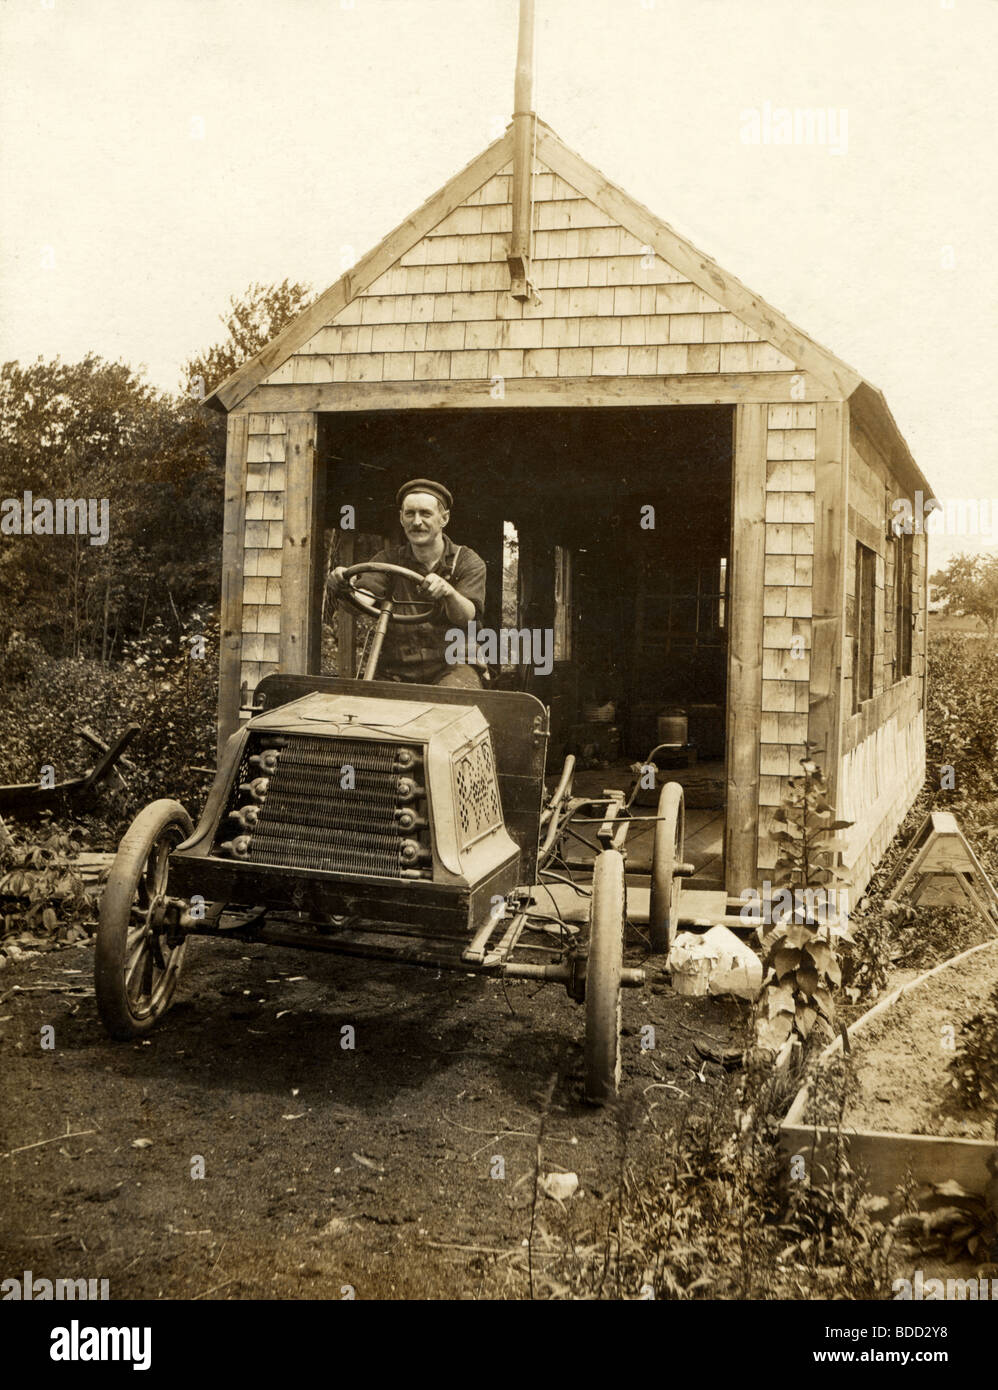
[[136, 969], [667, 857], [603, 966]]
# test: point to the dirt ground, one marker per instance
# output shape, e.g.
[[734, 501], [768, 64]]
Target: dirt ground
[[908, 1040], [403, 1168]]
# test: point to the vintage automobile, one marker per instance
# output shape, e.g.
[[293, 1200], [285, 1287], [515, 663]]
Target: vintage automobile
[[376, 819]]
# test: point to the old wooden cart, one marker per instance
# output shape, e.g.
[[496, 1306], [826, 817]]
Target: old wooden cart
[[403, 822]]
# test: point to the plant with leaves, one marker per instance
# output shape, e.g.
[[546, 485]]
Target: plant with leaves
[[974, 1068], [799, 961], [962, 720], [868, 951], [953, 1222], [39, 891], [706, 1213]]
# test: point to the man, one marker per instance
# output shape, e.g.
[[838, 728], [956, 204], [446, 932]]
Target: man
[[454, 576]]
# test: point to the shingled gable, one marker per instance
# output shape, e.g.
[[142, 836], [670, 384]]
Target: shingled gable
[[763, 322], [356, 280]]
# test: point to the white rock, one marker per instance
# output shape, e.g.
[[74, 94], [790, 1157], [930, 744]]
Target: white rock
[[560, 1186]]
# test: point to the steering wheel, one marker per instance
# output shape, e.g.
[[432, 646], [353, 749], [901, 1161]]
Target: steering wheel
[[369, 604]]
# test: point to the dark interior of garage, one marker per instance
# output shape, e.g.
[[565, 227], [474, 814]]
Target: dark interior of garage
[[607, 529]]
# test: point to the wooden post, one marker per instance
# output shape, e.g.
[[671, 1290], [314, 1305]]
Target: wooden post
[[230, 631], [300, 622], [524, 121], [828, 588], [318, 561], [346, 623], [748, 562], [923, 550]]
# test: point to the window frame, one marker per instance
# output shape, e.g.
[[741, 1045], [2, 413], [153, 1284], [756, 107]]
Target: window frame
[[904, 604], [864, 639]]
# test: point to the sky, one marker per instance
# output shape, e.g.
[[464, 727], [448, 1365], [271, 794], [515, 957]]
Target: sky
[[158, 156]]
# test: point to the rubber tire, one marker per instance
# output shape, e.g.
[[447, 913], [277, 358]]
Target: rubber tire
[[667, 854], [160, 820], [606, 951]]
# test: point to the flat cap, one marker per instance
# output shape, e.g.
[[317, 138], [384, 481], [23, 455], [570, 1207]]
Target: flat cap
[[425, 485]]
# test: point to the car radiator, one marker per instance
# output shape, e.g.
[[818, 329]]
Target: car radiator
[[352, 805]]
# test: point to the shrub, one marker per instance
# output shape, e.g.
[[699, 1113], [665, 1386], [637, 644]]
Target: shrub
[[39, 890], [975, 1065], [962, 716], [162, 684]]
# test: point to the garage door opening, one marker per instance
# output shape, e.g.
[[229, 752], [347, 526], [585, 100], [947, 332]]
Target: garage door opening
[[605, 531]]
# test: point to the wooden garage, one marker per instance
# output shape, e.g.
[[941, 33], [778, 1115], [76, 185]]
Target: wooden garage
[[564, 361]]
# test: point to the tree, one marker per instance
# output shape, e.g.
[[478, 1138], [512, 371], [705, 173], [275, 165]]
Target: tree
[[969, 588], [98, 430], [252, 321], [73, 430]]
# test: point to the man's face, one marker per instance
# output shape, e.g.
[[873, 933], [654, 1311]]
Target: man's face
[[423, 517]]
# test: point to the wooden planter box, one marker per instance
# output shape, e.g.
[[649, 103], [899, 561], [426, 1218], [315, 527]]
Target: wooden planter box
[[886, 1155]]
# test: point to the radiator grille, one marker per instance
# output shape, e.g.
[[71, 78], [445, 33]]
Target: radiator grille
[[477, 791], [335, 804]]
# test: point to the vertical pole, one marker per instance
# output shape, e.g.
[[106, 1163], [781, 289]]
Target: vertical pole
[[230, 634], [346, 623], [302, 534], [380, 631], [828, 588], [523, 155], [748, 561]]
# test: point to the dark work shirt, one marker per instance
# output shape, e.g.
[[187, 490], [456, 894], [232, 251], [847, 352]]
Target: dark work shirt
[[415, 651]]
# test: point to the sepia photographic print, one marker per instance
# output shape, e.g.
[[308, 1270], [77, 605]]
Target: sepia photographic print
[[498, 733]]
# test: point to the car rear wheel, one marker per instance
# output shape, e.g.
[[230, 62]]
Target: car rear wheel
[[136, 969], [603, 966], [667, 857]]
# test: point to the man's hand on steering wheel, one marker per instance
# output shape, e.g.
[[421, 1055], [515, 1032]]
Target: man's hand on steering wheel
[[342, 582], [436, 587]]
